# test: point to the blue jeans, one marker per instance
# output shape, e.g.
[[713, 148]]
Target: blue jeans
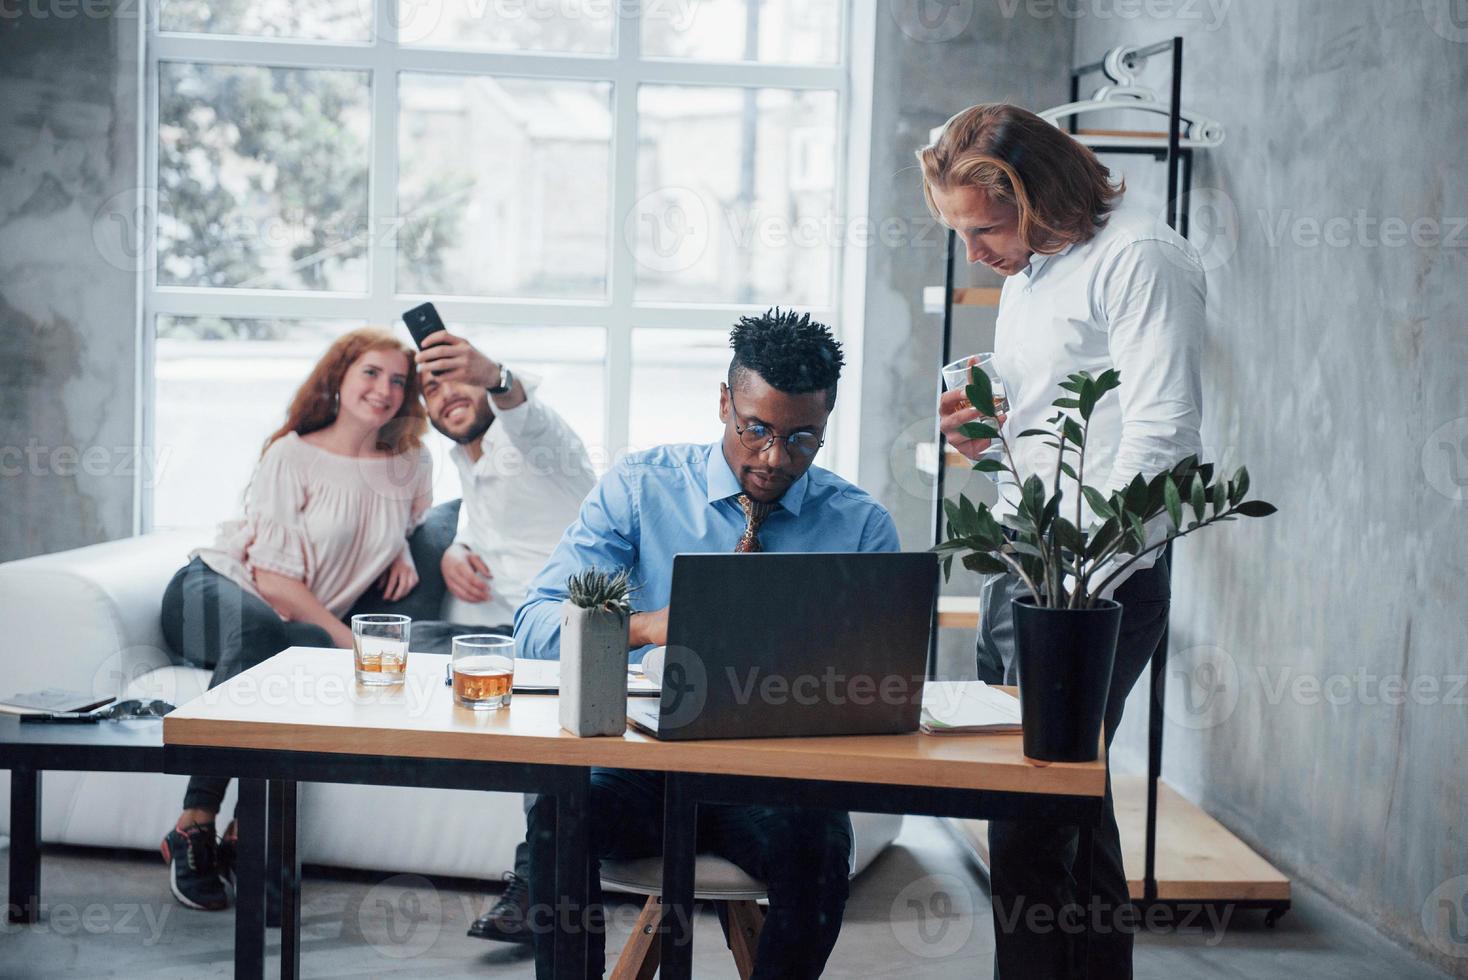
[[1032, 865], [802, 855]]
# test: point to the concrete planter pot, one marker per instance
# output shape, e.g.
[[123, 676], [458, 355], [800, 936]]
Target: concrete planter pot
[[593, 671]]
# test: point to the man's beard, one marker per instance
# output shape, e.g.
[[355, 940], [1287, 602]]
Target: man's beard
[[483, 419]]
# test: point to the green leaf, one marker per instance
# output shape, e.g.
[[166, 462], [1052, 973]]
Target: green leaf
[[1174, 502], [1073, 431], [984, 564], [1106, 381], [1217, 497], [1071, 385], [990, 466], [1069, 536], [1138, 533], [1068, 470], [1253, 508], [1135, 495], [1087, 401], [1034, 432], [1097, 503], [1199, 497], [1239, 487], [948, 568], [955, 519], [978, 430], [969, 515], [980, 392], [1103, 537], [1066, 403]]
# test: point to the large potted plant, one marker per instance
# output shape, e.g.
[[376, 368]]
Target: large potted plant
[[594, 620], [1065, 632]]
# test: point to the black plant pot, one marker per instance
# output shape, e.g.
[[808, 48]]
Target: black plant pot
[[1065, 658]]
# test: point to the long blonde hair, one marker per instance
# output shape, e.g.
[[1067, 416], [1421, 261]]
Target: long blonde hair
[[1062, 192], [315, 404]]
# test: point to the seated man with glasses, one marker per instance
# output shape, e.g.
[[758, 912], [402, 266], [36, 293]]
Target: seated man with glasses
[[754, 490]]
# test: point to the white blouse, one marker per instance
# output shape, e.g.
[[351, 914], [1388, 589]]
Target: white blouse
[[333, 522]]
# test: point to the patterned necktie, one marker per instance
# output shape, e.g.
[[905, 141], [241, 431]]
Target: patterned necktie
[[755, 513]]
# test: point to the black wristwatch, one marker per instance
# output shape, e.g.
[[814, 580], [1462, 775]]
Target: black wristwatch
[[506, 385]]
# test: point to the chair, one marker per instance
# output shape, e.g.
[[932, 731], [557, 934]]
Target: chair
[[736, 897]]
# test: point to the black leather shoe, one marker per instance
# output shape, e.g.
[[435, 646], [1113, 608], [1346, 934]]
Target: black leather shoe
[[505, 922]]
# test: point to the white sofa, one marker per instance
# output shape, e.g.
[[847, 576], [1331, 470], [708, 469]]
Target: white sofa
[[87, 619]]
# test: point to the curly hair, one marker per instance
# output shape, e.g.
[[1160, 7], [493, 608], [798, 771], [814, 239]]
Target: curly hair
[[789, 350]]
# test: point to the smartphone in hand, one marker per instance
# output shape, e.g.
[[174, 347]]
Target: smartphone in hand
[[422, 322]]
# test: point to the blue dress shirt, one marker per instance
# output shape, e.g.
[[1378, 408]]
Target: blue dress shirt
[[681, 499]]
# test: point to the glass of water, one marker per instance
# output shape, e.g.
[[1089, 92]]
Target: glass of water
[[483, 666], [380, 648], [956, 375]]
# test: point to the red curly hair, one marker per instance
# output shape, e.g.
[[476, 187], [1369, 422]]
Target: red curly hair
[[315, 403]]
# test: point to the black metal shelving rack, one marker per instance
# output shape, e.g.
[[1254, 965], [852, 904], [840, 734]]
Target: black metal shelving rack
[[1179, 162]]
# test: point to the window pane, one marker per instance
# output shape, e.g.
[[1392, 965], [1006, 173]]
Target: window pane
[[503, 186], [735, 196], [221, 386], [675, 385], [570, 363], [567, 26], [788, 31], [262, 177], [325, 20]]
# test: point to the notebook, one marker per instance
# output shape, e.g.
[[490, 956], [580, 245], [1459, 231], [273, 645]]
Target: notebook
[[544, 677], [968, 708], [49, 700]]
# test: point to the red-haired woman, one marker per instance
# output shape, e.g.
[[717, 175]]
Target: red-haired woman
[[338, 490]]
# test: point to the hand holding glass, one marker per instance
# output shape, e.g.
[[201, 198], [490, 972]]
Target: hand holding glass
[[956, 376]]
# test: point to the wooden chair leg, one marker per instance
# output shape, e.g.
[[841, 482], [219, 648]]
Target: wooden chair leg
[[745, 921], [639, 959]]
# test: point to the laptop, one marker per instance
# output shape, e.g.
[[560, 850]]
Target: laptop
[[768, 645]]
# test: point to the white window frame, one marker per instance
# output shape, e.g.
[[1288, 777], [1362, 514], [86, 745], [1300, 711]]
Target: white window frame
[[618, 314]]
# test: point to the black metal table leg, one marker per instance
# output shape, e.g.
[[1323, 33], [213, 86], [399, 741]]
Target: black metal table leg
[[249, 914], [284, 825], [1085, 853], [680, 832], [25, 845], [572, 876]]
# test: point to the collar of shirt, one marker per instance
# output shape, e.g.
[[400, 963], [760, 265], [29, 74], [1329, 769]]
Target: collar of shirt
[[1038, 261], [723, 484]]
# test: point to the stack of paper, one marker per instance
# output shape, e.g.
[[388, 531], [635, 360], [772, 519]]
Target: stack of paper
[[968, 707], [544, 677]]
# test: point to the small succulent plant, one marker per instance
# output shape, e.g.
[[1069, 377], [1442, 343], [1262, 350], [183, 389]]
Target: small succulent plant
[[593, 588]]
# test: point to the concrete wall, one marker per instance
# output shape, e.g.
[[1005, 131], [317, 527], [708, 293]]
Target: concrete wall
[[925, 72], [68, 351], [1335, 369]]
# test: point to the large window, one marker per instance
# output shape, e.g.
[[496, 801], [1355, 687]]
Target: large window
[[591, 190]]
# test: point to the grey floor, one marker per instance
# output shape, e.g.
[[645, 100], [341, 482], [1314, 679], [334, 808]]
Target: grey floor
[[919, 912]]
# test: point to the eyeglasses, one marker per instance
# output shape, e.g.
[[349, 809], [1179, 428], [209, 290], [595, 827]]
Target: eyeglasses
[[758, 437]]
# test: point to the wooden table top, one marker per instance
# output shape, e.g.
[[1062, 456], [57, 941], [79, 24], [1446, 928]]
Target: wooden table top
[[308, 700]]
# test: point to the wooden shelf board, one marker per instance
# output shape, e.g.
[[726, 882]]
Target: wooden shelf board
[[977, 296], [958, 612], [1198, 859]]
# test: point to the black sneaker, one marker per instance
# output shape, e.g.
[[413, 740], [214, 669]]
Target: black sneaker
[[505, 922], [193, 867]]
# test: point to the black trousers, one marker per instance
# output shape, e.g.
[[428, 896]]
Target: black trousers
[[213, 623], [1032, 865], [802, 855]]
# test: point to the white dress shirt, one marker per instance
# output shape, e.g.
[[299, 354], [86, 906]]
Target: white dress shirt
[[518, 498], [1131, 298]]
